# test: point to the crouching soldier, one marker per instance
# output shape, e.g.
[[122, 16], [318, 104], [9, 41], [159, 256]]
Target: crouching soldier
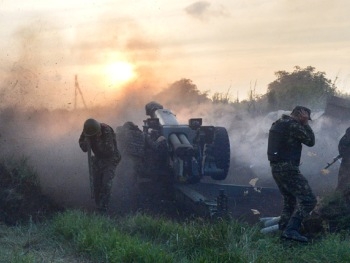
[[101, 140]]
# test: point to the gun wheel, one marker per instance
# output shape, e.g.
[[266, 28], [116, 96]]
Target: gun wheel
[[221, 152]]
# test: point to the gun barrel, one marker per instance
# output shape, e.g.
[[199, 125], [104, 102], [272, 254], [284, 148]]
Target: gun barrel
[[181, 145], [184, 139]]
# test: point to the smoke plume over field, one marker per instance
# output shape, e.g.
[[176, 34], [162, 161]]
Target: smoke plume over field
[[49, 140]]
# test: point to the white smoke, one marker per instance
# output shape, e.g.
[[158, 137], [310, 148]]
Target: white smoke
[[50, 140]]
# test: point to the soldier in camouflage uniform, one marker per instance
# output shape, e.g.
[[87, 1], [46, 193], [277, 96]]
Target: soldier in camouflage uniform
[[286, 137], [159, 146], [344, 151], [102, 140]]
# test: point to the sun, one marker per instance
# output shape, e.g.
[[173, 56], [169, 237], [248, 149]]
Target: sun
[[119, 72]]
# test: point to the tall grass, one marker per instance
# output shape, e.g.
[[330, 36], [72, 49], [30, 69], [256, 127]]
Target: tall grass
[[33, 243], [20, 174], [141, 238], [100, 239]]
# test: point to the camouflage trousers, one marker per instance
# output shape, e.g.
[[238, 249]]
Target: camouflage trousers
[[103, 174], [298, 198]]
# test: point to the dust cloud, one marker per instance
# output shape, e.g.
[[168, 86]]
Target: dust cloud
[[39, 69], [248, 141], [49, 139], [42, 112]]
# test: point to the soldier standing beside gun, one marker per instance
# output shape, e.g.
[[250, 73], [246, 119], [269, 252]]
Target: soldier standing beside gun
[[344, 169], [286, 137], [101, 140]]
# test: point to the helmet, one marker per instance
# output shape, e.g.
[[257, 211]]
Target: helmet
[[91, 127], [131, 126], [151, 107]]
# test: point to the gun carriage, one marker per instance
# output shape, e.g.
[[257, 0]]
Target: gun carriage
[[179, 153]]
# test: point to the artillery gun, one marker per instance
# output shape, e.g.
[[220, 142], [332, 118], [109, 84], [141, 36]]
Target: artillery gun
[[176, 153]]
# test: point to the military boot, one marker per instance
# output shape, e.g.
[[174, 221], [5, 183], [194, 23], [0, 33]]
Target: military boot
[[292, 230]]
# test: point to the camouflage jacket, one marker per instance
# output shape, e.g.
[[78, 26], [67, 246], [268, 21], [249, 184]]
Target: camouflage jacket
[[103, 146], [295, 134]]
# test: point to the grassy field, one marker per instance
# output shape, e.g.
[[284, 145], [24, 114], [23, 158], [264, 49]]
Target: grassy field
[[35, 243], [75, 236]]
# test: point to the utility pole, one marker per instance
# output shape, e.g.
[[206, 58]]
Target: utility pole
[[76, 91]]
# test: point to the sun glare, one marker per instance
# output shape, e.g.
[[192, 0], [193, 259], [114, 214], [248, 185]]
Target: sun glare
[[119, 72]]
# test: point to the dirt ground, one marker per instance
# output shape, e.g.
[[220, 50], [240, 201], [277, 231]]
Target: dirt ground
[[244, 203], [21, 199]]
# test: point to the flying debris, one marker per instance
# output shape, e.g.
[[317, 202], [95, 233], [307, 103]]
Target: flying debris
[[253, 181], [311, 154], [255, 212], [324, 171], [257, 189]]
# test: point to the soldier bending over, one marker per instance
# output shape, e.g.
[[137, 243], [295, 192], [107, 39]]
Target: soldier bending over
[[101, 140]]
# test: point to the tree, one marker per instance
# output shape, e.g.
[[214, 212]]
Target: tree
[[301, 87], [221, 98], [182, 92]]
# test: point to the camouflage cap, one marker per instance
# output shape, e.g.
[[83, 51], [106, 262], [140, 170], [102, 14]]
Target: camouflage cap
[[298, 109]]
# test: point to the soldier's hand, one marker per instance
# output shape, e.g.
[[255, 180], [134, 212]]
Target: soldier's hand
[[304, 117], [84, 146]]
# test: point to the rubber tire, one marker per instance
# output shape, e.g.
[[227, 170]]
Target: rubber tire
[[221, 145]]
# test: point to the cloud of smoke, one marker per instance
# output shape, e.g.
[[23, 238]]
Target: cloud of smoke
[[50, 140], [43, 63], [248, 139], [37, 114]]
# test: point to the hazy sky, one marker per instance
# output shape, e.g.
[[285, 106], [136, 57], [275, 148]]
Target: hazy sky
[[221, 45]]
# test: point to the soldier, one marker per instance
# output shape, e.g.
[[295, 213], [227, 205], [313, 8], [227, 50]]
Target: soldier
[[344, 152], [158, 144], [101, 139], [158, 151], [286, 137]]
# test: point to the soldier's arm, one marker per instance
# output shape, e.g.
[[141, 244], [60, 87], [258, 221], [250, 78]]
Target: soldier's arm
[[83, 143], [310, 136], [107, 143], [303, 133]]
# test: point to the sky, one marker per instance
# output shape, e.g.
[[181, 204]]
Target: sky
[[223, 46]]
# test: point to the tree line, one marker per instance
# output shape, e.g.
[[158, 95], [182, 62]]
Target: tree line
[[303, 86]]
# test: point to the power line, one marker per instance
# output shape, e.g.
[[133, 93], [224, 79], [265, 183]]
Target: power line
[[76, 91]]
